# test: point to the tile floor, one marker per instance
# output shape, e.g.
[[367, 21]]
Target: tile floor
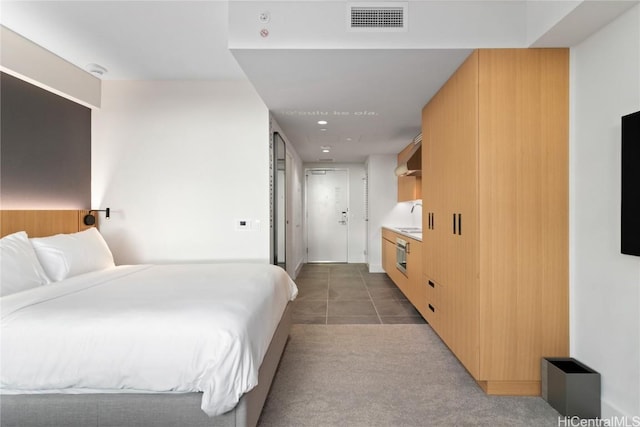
[[349, 294]]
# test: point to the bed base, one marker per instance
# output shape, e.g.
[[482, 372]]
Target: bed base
[[141, 410]]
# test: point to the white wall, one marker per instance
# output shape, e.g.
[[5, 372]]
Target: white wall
[[605, 285], [383, 202], [541, 16], [357, 224], [178, 162]]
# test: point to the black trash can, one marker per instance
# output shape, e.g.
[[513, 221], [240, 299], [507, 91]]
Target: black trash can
[[570, 387]]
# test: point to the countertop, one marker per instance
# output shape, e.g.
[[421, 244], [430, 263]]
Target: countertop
[[404, 230]]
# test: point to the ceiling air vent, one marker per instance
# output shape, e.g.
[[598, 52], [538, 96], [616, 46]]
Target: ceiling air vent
[[377, 17]]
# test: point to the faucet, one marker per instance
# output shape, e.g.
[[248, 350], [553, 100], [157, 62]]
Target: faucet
[[414, 206]]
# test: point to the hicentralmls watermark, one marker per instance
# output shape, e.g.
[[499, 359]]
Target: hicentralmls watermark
[[599, 422]]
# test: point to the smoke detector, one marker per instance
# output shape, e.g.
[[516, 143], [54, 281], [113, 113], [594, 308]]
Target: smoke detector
[[96, 70]]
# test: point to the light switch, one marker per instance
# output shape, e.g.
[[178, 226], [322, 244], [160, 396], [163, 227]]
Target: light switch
[[243, 224]]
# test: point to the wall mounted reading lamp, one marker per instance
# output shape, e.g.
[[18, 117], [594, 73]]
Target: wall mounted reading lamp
[[89, 219]]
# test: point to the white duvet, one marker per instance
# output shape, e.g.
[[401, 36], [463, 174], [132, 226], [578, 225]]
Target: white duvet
[[161, 328]]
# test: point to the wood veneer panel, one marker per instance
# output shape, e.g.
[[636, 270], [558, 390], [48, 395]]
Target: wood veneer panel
[[462, 144], [522, 209], [554, 315], [503, 300], [388, 254], [42, 223], [417, 290], [428, 197], [498, 202], [511, 388], [434, 136], [407, 188]]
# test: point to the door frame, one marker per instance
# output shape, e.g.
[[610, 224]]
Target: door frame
[[289, 213], [306, 210], [273, 231]]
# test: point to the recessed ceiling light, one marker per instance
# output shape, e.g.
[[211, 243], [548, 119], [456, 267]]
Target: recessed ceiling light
[[322, 122], [325, 150], [323, 130], [349, 139]]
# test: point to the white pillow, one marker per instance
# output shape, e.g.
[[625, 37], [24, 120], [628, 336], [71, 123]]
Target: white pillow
[[67, 255], [20, 269]]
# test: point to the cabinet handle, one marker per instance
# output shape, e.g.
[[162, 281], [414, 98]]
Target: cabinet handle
[[432, 308], [460, 224], [433, 285], [407, 247], [454, 224]]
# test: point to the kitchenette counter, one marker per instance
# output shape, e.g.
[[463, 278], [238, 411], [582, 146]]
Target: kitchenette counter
[[402, 261], [411, 232]]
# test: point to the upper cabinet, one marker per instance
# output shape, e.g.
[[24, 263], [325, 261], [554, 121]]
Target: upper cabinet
[[409, 171], [495, 216]]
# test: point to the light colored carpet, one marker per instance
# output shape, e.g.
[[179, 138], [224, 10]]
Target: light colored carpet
[[385, 375]]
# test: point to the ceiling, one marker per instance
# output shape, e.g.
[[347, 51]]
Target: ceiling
[[370, 90]]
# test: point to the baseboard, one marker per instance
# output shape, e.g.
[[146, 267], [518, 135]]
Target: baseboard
[[376, 268], [296, 271], [609, 411], [511, 388]]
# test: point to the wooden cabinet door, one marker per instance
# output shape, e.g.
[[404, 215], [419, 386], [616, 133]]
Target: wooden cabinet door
[[462, 274], [438, 307], [435, 188], [427, 191], [389, 261], [407, 188], [523, 209], [388, 256], [416, 292]]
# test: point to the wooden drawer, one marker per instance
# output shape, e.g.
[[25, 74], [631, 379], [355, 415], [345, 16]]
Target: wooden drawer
[[434, 305], [389, 235], [434, 291]]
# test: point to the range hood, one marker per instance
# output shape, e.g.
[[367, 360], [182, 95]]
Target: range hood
[[411, 163]]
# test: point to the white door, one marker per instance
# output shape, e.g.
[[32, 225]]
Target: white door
[[327, 215]]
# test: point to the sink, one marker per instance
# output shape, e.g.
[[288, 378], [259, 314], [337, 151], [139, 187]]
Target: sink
[[410, 229]]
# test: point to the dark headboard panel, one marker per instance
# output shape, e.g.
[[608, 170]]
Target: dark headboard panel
[[46, 149]]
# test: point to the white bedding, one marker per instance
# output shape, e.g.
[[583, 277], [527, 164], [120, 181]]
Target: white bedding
[[149, 328]]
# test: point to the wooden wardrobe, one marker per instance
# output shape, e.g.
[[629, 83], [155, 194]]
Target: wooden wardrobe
[[495, 216]]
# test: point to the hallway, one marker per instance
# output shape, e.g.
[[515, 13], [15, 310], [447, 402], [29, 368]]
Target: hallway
[[349, 294]]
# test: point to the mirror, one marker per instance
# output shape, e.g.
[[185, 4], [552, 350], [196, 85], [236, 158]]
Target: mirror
[[279, 220]]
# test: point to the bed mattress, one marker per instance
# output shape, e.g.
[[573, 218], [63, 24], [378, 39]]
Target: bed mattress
[[149, 328]]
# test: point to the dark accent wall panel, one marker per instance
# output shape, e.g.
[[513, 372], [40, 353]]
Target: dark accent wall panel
[[45, 149]]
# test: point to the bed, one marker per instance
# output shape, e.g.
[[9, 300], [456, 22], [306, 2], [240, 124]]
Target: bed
[[177, 369]]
